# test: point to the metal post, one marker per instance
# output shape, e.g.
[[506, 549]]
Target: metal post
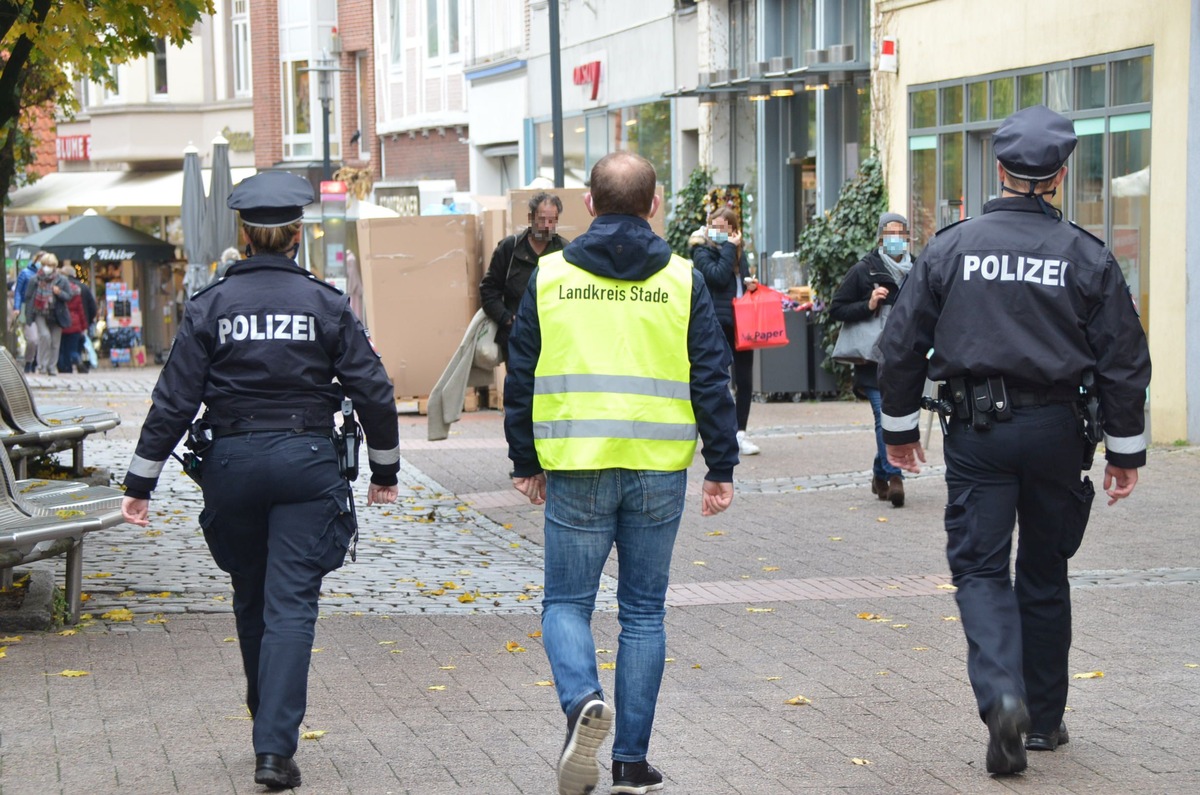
[[74, 580], [326, 166], [556, 118]]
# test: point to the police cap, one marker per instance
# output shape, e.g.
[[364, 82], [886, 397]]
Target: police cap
[[1033, 143], [272, 198]]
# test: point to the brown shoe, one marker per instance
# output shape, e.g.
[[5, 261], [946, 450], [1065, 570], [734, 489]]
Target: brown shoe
[[879, 487], [895, 491]]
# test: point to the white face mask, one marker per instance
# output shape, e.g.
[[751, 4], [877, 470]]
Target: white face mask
[[47, 270]]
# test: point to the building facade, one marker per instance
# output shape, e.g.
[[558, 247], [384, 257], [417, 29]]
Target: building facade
[[1133, 92]]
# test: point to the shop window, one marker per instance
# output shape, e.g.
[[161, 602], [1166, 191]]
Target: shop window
[[1089, 87], [1131, 81], [977, 101], [952, 105], [923, 168], [1129, 186], [1058, 90], [160, 66], [952, 207], [574, 138], [924, 108], [1002, 98], [1030, 90], [645, 130]]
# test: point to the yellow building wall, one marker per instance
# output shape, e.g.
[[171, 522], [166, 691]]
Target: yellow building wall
[[949, 39]]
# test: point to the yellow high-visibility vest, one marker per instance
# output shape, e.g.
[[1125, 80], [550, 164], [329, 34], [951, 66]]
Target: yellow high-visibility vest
[[612, 387]]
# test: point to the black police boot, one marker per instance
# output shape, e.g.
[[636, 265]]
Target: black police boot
[[1047, 741], [276, 772], [1006, 722], [635, 778]]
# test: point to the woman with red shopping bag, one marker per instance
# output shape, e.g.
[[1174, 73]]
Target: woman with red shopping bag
[[717, 254]]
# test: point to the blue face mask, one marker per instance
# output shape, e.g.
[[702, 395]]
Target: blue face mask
[[895, 246], [717, 236]]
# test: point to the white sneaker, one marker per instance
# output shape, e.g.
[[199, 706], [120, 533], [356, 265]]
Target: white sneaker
[[745, 446]]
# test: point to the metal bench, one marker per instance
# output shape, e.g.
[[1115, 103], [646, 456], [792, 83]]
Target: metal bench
[[29, 432], [41, 519]]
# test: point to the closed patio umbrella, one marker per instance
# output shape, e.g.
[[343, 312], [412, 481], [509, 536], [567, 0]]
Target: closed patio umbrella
[[192, 211], [220, 223]]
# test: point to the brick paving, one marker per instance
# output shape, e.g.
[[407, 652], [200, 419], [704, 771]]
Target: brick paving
[[808, 586]]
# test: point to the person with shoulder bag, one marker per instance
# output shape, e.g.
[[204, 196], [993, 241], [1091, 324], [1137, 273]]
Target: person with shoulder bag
[[865, 295]]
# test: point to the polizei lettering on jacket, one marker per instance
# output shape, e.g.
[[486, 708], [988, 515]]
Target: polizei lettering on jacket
[[1016, 268], [593, 292], [266, 327]]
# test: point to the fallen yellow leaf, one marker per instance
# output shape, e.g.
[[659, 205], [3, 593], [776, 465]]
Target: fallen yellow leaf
[[438, 592], [438, 688], [160, 595], [72, 674], [466, 598], [99, 575], [11, 639], [835, 538], [317, 650], [774, 678], [229, 640], [858, 761], [883, 673], [870, 616], [447, 667], [798, 701], [152, 533], [699, 563], [949, 618], [881, 519], [450, 585], [1089, 675], [127, 594], [387, 643], [120, 614], [66, 633], [522, 597], [545, 683], [604, 651], [608, 666], [513, 647], [1185, 665], [899, 626], [696, 666], [313, 735], [947, 587], [669, 659], [920, 648], [537, 633], [158, 619], [760, 610], [770, 568], [396, 651], [715, 533]]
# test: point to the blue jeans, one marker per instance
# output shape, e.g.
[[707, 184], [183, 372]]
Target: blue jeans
[[880, 467], [587, 512]]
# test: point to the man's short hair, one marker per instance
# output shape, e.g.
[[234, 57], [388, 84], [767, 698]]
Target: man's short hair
[[541, 198], [623, 184]]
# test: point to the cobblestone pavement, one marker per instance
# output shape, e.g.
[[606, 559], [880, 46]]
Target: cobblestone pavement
[[813, 642]]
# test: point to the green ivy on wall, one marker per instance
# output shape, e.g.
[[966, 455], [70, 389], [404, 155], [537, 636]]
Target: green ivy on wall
[[689, 214]]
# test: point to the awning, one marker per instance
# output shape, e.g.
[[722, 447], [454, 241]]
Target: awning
[[107, 192]]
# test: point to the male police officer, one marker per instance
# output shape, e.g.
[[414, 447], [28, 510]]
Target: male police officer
[[260, 348], [616, 360], [1020, 309]]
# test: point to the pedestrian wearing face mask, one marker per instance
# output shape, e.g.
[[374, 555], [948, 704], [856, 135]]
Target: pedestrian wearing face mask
[[513, 262], [870, 284], [46, 297], [717, 253]]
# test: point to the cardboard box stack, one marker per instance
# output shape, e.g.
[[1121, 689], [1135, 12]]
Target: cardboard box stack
[[421, 287]]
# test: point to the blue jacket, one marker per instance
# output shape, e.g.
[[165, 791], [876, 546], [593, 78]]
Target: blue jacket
[[19, 288], [625, 247]]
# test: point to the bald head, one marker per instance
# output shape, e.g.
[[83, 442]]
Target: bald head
[[623, 184]]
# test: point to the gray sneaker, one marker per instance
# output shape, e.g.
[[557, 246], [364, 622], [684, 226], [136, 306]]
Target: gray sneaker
[[578, 769]]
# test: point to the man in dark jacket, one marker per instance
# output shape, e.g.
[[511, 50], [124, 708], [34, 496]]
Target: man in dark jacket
[[514, 260], [617, 361]]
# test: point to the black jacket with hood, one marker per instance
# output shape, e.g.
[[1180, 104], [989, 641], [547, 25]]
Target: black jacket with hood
[[625, 247], [852, 304]]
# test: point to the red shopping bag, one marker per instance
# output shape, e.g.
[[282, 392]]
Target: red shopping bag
[[758, 320]]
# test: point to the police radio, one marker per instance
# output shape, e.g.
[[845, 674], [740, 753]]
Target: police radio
[[347, 440]]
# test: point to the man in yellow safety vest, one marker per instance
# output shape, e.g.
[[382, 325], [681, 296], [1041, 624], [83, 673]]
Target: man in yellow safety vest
[[616, 361]]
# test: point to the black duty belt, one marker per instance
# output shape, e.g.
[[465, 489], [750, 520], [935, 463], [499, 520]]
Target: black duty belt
[[1025, 398], [219, 432]]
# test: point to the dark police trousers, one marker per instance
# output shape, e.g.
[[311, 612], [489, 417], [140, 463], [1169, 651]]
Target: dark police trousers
[[276, 518], [1027, 469]]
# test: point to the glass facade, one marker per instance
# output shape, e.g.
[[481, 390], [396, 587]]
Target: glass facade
[[644, 129], [952, 168]]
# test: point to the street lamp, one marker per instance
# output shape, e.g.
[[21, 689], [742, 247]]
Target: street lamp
[[324, 68]]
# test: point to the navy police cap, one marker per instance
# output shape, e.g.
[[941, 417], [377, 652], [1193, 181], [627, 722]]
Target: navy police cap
[[1033, 143], [272, 198]]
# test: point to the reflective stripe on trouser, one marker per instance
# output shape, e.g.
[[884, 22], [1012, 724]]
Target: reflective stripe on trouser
[[276, 518], [1024, 470]]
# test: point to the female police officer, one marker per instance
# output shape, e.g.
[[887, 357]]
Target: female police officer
[[260, 348]]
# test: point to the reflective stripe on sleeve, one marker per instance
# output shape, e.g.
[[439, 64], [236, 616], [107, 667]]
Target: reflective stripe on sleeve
[[391, 456], [145, 468], [900, 424], [1125, 444], [612, 384], [615, 429]]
